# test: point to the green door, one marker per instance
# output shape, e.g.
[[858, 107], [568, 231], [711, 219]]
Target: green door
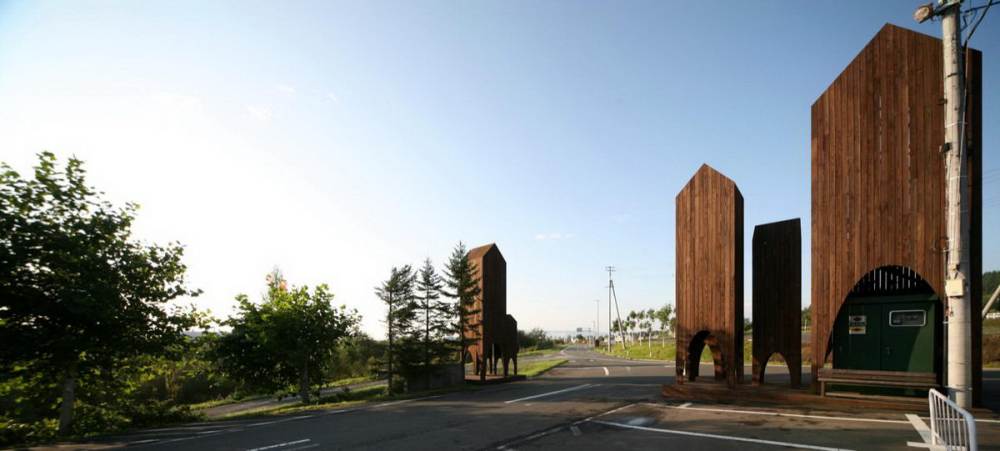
[[887, 333], [908, 337]]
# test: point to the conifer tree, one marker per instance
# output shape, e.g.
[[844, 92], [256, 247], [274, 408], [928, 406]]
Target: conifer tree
[[398, 295], [462, 283]]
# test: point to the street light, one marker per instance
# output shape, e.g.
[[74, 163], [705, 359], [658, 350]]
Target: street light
[[923, 13]]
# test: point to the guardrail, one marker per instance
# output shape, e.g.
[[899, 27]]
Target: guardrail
[[952, 427]]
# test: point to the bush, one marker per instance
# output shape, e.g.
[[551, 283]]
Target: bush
[[536, 339]]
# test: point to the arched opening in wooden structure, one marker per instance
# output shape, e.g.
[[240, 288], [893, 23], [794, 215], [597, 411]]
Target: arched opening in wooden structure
[[889, 321], [697, 345], [791, 367]]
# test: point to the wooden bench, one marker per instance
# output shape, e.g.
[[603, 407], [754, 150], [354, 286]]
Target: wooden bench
[[901, 379]]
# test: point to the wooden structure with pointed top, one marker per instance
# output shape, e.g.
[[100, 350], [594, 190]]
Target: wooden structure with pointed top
[[492, 337], [777, 297], [709, 279], [878, 183]]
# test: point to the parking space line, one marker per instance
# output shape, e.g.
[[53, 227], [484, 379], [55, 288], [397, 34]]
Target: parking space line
[[542, 395], [715, 436], [606, 372]]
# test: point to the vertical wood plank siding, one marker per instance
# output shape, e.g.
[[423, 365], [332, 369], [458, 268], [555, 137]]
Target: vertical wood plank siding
[[878, 176], [709, 280], [777, 297]]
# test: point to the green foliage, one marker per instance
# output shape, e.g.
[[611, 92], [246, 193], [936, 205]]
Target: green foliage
[[290, 338], [461, 280], [664, 316], [807, 317], [398, 294], [535, 339], [79, 297], [436, 319]]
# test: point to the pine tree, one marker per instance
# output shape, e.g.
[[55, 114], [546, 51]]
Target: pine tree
[[435, 317], [462, 282], [397, 293]]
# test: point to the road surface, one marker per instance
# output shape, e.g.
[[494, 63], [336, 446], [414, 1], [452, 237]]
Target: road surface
[[592, 402]]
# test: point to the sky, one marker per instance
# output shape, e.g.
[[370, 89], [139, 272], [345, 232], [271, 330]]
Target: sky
[[335, 140]]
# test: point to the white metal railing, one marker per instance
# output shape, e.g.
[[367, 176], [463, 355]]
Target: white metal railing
[[952, 427]]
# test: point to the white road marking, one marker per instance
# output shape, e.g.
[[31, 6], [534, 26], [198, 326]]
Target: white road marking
[[506, 446], [210, 432], [716, 436], [149, 440], [386, 404], [605, 413], [576, 431], [578, 387], [606, 372], [280, 445], [781, 414]]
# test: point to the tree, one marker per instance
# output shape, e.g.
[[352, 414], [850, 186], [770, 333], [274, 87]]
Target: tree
[[289, 339], [398, 294], [439, 317], [663, 316], [807, 317], [650, 317], [461, 279], [78, 295]]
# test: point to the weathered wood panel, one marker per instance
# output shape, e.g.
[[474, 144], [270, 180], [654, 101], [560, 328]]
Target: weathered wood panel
[[709, 279], [777, 297], [878, 175], [488, 340]]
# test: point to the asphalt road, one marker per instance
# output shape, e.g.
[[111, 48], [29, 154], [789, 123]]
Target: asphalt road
[[592, 402]]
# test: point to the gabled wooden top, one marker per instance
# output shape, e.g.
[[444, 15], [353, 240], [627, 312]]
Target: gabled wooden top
[[481, 251]]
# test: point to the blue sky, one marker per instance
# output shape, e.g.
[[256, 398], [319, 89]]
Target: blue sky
[[337, 139]]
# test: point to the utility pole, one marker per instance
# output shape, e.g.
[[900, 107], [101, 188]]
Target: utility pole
[[597, 322], [957, 210], [610, 270], [956, 271], [611, 293]]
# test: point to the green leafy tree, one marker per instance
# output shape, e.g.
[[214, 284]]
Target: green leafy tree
[[650, 318], [807, 317], [663, 315], [79, 296], [288, 339], [398, 294], [461, 280]]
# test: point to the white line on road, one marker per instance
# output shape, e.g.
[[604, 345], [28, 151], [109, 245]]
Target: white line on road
[[576, 431], [715, 436], [506, 446], [605, 413], [606, 372], [578, 387], [280, 445], [687, 406]]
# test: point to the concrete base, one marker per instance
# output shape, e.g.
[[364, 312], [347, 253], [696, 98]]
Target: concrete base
[[799, 398], [490, 380]]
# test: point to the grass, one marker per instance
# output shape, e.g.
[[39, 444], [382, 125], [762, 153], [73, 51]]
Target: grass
[[538, 352], [533, 369], [232, 400], [335, 400], [343, 400]]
